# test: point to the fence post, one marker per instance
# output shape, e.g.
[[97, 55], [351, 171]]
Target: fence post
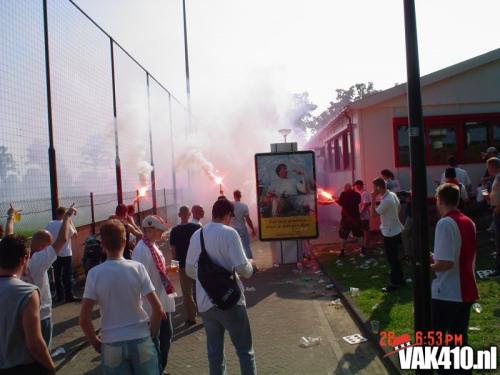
[[165, 201], [54, 193], [174, 178], [92, 212], [153, 180], [118, 167], [137, 198]]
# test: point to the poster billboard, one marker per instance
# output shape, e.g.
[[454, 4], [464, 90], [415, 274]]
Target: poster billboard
[[286, 195]]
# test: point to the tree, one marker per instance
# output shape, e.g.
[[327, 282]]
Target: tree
[[344, 97], [7, 163], [300, 115]]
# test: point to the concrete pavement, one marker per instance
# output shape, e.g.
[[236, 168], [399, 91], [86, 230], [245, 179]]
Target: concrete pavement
[[285, 306]]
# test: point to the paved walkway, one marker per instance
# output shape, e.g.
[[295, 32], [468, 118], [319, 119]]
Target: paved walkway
[[285, 306]]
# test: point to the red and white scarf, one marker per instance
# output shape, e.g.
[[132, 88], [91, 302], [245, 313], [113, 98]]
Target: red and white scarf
[[169, 288]]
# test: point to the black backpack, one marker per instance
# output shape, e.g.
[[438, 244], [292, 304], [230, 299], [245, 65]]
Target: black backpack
[[219, 284], [93, 253]]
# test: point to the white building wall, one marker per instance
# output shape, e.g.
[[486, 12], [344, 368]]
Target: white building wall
[[474, 91]]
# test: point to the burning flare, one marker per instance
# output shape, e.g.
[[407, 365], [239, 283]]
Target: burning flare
[[218, 180], [325, 197], [142, 191]]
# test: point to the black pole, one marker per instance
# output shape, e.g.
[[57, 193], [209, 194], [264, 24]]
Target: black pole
[[421, 282], [174, 178], [118, 167], [188, 86], [153, 179], [186, 59], [54, 192], [92, 212]]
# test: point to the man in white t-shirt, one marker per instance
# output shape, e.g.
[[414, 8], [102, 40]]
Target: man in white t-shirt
[[42, 256], [224, 248], [118, 286], [62, 266], [239, 222], [148, 253], [364, 211], [391, 229], [454, 289], [289, 196]]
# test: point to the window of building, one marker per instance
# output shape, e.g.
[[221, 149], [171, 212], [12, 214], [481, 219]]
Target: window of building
[[330, 156], [347, 150], [441, 143], [495, 134], [476, 140], [464, 136], [338, 152]]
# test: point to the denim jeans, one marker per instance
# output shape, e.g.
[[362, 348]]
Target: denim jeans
[[163, 340], [46, 325], [245, 241], [62, 269], [130, 357], [235, 321]]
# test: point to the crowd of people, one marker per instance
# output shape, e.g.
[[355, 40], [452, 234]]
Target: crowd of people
[[136, 298], [131, 286], [454, 287]]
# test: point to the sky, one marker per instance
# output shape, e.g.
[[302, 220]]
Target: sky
[[314, 45]]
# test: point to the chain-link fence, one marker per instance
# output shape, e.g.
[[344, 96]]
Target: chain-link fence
[[80, 115]]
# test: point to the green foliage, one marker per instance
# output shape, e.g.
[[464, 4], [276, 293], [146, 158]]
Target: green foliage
[[300, 115], [344, 97]]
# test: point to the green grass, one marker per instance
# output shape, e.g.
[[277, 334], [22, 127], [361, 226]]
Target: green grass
[[395, 310]]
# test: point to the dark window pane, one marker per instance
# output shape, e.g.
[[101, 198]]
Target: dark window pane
[[338, 152], [495, 134], [330, 156], [347, 151], [476, 141], [403, 145], [442, 143]]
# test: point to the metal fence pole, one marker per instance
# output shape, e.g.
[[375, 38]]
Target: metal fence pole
[[174, 178], [54, 192], [422, 290], [92, 212], [118, 167], [153, 180]]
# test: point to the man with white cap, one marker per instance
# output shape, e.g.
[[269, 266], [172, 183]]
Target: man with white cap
[[148, 253]]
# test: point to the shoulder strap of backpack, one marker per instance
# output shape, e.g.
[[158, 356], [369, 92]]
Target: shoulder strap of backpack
[[202, 241]]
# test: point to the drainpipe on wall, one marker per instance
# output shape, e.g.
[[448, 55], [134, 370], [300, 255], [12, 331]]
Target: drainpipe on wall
[[351, 142]]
